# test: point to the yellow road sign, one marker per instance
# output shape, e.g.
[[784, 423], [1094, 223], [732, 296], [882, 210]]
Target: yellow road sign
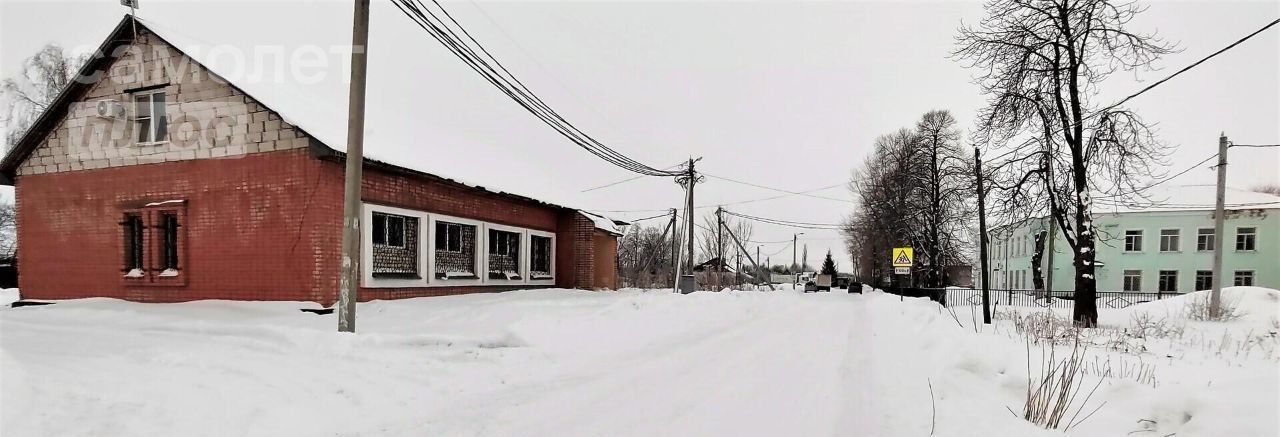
[[902, 256]]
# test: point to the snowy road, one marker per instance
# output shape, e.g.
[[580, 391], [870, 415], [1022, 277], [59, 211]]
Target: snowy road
[[549, 362]]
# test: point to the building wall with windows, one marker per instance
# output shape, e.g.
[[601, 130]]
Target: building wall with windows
[[198, 191], [1159, 251]]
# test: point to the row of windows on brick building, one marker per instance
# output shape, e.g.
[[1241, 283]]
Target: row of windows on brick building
[[395, 250]]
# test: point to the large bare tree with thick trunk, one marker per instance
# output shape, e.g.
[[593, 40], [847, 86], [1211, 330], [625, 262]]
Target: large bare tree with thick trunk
[[1040, 63]]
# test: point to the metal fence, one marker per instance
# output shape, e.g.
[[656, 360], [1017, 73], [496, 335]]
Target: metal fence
[[953, 297]]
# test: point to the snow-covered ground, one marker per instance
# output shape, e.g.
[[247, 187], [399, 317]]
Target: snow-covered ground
[[629, 363]]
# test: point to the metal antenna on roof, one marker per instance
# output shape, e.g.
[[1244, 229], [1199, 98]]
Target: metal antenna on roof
[[133, 15]]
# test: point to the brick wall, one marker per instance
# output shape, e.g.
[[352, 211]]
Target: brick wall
[[254, 229], [206, 117], [441, 197], [605, 266], [262, 218]]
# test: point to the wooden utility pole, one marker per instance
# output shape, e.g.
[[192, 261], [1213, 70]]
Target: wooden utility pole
[[719, 244], [349, 284], [693, 179], [1219, 216], [743, 249], [675, 252], [982, 237]]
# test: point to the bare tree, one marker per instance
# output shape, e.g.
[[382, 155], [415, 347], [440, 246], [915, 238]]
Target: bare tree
[[947, 211], [914, 190], [1272, 189], [644, 257], [712, 243], [8, 231], [1040, 64], [26, 96]]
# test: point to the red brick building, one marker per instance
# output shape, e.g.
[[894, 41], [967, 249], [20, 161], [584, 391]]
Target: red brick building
[[157, 180]]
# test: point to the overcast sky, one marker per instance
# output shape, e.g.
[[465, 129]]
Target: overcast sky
[[783, 94]]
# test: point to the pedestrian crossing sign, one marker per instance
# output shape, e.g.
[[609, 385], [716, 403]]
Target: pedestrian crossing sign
[[902, 256]]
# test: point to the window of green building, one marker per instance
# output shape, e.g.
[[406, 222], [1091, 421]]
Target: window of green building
[[1133, 240], [1204, 279], [1244, 278], [1133, 280], [1168, 281], [1204, 240], [1170, 240], [1246, 238]]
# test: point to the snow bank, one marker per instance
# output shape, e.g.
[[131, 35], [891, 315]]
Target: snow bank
[[1259, 308], [8, 296], [569, 363]]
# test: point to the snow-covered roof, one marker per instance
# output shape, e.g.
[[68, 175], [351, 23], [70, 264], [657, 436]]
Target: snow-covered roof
[[606, 224], [322, 114], [1188, 198]]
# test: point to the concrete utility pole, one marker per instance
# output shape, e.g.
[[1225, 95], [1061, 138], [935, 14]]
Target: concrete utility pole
[[1219, 216], [982, 237], [350, 281]]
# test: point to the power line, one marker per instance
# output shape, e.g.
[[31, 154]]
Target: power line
[[1149, 87], [788, 223], [622, 181], [508, 84], [1255, 145], [715, 205], [775, 189], [651, 218]]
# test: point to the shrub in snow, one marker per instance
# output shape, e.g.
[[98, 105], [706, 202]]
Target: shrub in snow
[[1197, 308], [1041, 326], [1053, 394]]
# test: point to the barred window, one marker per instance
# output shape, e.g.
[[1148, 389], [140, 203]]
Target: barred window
[[504, 255], [395, 246], [540, 258], [133, 231], [169, 229], [455, 251]]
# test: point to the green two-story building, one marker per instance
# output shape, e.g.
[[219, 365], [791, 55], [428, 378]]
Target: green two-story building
[[1163, 244]]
